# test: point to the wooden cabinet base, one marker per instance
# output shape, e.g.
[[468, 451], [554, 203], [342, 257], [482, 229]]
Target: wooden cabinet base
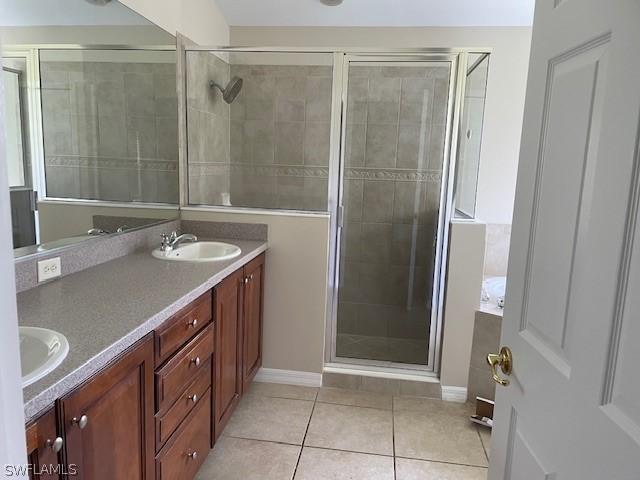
[[108, 420], [43, 446], [252, 301], [106, 429], [188, 447], [228, 349]]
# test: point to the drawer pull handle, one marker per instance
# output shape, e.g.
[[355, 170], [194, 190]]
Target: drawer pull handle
[[81, 422], [193, 323], [55, 445], [246, 280], [192, 455], [193, 398], [196, 361]]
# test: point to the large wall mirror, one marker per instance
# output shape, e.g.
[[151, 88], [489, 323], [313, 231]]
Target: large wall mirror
[[91, 121]]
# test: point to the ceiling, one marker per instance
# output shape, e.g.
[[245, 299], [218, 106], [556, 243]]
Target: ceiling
[[20, 13], [378, 13]]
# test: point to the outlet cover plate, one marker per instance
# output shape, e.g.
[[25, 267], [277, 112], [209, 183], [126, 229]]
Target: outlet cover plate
[[48, 269]]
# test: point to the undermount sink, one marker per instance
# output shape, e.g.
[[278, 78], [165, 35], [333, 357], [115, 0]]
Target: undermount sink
[[41, 351], [200, 252]]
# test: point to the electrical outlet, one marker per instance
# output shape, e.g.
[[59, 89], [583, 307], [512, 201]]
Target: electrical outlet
[[48, 269]]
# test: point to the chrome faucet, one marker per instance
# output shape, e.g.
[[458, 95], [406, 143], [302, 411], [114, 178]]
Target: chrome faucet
[[97, 231], [172, 241]]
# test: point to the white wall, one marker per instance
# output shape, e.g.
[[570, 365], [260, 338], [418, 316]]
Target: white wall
[[295, 296], [83, 35], [505, 89], [12, 440], [462, 299], [61, 220], [199, 20]]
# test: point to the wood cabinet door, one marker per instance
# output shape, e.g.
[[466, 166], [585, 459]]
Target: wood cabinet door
[[228, 348], [252, 319], [43, 447], [108, 420]]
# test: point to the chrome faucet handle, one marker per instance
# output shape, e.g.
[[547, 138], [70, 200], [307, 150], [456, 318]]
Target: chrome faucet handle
[[164, 244], [173, 236]]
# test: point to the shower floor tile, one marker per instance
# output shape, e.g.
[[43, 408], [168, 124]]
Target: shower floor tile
[[301, 433], [402, 350]]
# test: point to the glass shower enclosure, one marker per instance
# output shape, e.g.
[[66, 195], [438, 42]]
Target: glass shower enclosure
[[396, 117], [365, 138]]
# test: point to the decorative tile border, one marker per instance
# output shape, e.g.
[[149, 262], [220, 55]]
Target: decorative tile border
[[111, 162], [197, 169], [395, 174], [361, 173]]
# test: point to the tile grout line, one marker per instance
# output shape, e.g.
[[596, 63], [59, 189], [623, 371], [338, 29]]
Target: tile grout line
[[355, 406], [353, 451], [393, 436], [348, 451], [442, 461], [482, 443], [306, 430], [277, 442]]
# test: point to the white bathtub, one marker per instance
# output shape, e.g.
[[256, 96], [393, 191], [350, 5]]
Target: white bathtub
[[493, 289]]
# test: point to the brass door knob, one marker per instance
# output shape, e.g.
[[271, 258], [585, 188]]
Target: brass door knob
[[504, 360]]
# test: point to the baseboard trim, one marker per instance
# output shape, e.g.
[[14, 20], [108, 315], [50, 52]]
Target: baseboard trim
[[289, 377], [454, 394]]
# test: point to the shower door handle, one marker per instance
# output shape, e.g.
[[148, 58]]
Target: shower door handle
[[340, 216]]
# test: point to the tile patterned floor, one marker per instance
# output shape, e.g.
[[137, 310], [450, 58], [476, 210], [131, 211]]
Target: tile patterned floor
[[283, 432]]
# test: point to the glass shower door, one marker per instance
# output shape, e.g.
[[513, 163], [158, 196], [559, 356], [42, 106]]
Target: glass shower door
[[393, 160]]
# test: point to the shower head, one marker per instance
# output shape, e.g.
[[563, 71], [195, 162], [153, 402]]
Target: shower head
[[231, 91]]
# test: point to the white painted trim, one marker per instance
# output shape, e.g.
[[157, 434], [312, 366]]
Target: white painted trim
[[12, 438], [381, 372], [454, 394], [289, 377]]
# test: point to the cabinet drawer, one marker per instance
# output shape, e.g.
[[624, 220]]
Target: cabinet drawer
[[168, 421], [182, 368], [185, 451], [176, 331]]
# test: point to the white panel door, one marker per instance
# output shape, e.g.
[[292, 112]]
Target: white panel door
[[572, 315]]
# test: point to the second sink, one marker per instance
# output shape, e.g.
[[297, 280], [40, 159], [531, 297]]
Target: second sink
[[41, 351], [200, 252]]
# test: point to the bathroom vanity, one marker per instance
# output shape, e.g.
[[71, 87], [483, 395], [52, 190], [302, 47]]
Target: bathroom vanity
[[154, 409]]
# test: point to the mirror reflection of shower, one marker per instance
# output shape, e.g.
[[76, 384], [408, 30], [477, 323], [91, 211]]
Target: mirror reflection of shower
[[231, 91]]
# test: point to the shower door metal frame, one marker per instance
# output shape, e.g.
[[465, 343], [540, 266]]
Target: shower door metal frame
[[458, 60]]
